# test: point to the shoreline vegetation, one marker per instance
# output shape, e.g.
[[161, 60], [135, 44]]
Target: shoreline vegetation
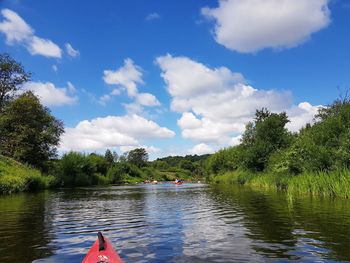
[[323, 184], [75, 169], [16, 177], [314, 160]]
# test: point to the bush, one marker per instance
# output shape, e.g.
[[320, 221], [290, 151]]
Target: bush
[[123, 172], [76, 169]]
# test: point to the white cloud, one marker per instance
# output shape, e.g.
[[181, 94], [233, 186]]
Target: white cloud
[[14, 27], [44, 47], [71, 51], [216, 103], [252, 25], [152, 16], [54, 68], [147, 99], [112, 131], [300, 115], [17, 31], [128, 77], [50, 95], [200, 149]]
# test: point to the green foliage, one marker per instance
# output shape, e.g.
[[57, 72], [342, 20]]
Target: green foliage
[[262, 138], [138, 157], [76, 169], [123, 171], [16, 177], [330, 184], [270, 157], [160, 165], [28, 132], [99, 163], [109, 157], [12, 76], [321, 147], [189, 167], [223, 161]]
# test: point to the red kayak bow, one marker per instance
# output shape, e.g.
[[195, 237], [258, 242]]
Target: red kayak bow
[[102, 252]]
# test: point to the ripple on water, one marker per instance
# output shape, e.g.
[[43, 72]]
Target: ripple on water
[[167, 223]]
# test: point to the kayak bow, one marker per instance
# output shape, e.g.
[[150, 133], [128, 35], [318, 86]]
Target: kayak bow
[[102, 252]]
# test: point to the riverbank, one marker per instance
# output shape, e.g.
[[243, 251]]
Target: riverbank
[[331, 184], [16, 177]]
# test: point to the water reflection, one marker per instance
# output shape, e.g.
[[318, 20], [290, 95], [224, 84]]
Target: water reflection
[[304, 228], [167, 223], [24, 227]]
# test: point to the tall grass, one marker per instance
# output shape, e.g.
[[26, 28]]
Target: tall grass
[[16, 177], [333, 184]]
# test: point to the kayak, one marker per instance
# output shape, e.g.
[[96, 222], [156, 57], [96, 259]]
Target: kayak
[[102, 252], [178, 183]]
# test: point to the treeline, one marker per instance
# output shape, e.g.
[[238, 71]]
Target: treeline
[[189, 167], [316, 159], [77, 169]]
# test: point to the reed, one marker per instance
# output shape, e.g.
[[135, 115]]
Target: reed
[[327, 184]]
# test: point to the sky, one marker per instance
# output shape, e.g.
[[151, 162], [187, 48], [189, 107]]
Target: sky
[[177, 77]]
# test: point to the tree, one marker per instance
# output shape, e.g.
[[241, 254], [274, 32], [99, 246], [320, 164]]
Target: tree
[[28, 132], [263, 137], [99, 162], [12, 76], [138, 157], [109, 157]]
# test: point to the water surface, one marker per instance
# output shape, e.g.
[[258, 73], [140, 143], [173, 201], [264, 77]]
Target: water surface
[[169, 223]]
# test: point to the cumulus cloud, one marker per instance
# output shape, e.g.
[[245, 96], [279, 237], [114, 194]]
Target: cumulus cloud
[[17, 31], [252, 25], [200, 149], [50, 95], [128, 77], [301, 114], [147, 99], [112, 131], [216, 103], [152, 16], [71, 51]]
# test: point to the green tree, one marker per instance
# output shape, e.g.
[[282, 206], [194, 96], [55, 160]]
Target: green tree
[[323, 146], [28, 132], [138, 157], [109, 157], [76, 169], [12, 76], [99, 162], [262, 137]]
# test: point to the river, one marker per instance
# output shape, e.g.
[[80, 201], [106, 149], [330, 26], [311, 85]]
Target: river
[[169, 223]]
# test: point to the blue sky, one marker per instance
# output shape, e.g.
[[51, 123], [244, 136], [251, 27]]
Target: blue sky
[[177, 77]]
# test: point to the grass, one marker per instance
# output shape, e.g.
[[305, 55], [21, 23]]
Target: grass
[[333, 184], [16, 177]]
